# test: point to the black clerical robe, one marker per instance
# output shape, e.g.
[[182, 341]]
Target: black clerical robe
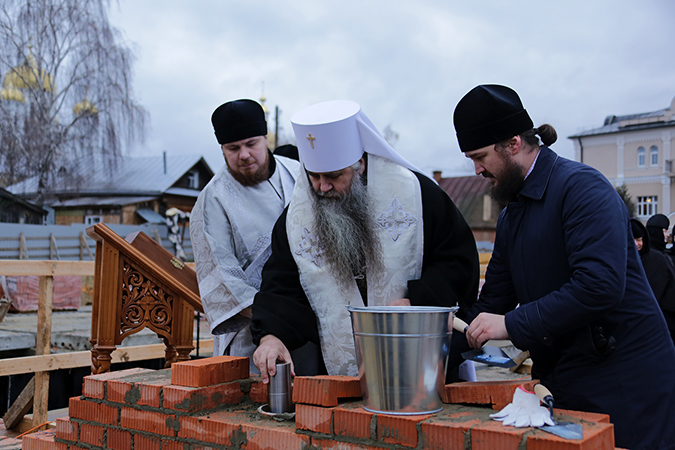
[[450, 273]]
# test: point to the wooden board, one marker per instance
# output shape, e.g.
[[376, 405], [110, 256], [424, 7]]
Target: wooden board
[[31, 364], [16, 268], [165, 260], [20, 407]]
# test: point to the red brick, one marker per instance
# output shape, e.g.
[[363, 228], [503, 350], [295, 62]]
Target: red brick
[[597, 436], [241, 431], [168, 444], [189, 399], [580, 415], [118, 439], [351, 420], [313, 418], [142, 442], [498, 394], [449, 431], [328, 444], [94, 385], [325, 390], [258, 391], [491, 435], [400, 430], [276, 435], [146, 393], [42, 440], [209, 371], [92, 434], [216, 428], [92, 411], [66, 429], [150, 421]]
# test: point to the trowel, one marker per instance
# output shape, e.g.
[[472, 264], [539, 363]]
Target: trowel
[[487, 354], [564, 430]]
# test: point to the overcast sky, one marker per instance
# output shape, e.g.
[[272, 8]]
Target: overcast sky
[[406, 63]]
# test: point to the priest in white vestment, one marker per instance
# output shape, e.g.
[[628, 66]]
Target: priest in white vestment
[[232, 220], [363, 227]]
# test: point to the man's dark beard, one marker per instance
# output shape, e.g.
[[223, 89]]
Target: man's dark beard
[[346, 234], [510, 182], [254, 178]]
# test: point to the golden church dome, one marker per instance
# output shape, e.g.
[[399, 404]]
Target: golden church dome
[[262, 103], [85, 107], [12, 93], [29, 76]]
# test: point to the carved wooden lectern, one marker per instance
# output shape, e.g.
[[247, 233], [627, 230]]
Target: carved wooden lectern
[[138, 284]]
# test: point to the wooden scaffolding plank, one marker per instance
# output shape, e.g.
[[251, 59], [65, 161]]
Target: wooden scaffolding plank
[[13, 267], [23, 250], [30, 364], [20, 407], [43, 347]]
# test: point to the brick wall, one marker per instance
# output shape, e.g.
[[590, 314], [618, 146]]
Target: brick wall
[[209, 405]]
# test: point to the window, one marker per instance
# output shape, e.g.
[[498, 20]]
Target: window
[[647, 206], [91, 220], [654, 156], [641, 156], [193, 179]]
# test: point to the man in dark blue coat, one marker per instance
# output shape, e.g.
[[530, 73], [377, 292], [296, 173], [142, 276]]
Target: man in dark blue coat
[[565, 280]]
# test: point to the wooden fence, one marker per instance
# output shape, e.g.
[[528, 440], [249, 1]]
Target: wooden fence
[[36, 393], [70, 242]]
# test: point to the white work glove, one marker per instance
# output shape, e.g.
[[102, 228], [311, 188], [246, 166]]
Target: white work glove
[[524, 411]]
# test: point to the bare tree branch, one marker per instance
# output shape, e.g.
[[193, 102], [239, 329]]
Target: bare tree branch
[[54, 55]]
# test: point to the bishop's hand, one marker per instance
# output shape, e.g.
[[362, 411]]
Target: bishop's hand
[[270, 351]]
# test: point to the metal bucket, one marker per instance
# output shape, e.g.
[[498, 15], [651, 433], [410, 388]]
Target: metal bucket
[[402, 354]]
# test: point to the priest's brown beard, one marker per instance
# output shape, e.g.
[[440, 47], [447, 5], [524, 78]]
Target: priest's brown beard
[[509, 182], [347, 235], [254, 178]]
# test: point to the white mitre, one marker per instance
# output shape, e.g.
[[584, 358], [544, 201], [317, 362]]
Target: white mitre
[[333, 135]]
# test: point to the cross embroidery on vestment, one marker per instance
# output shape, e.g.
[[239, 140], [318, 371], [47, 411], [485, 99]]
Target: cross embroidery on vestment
[[395, 220], [309, 247]]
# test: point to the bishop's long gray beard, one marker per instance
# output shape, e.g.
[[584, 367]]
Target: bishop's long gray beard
[[347, 235]]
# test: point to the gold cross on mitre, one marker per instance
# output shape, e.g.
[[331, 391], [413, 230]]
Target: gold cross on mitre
[[311, 139]]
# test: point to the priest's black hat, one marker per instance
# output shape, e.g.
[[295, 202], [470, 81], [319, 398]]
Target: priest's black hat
[[658, 221], [287, 150], [488, 114], [638, 229], [237, 120]]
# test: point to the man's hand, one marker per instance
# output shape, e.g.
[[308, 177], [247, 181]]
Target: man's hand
[[399, 302], [485, 327], [265, 358]]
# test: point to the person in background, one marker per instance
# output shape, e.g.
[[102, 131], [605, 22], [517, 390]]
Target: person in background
[[657, 227], [287, 150], [176, 221], [232, 220], [364, 227], [660, 273], [565, 280]]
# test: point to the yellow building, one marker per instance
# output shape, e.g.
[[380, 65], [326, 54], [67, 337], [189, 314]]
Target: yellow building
[[635, 150]]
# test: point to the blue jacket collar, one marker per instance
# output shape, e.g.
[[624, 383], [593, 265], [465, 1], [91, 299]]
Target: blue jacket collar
[[536, 183]]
